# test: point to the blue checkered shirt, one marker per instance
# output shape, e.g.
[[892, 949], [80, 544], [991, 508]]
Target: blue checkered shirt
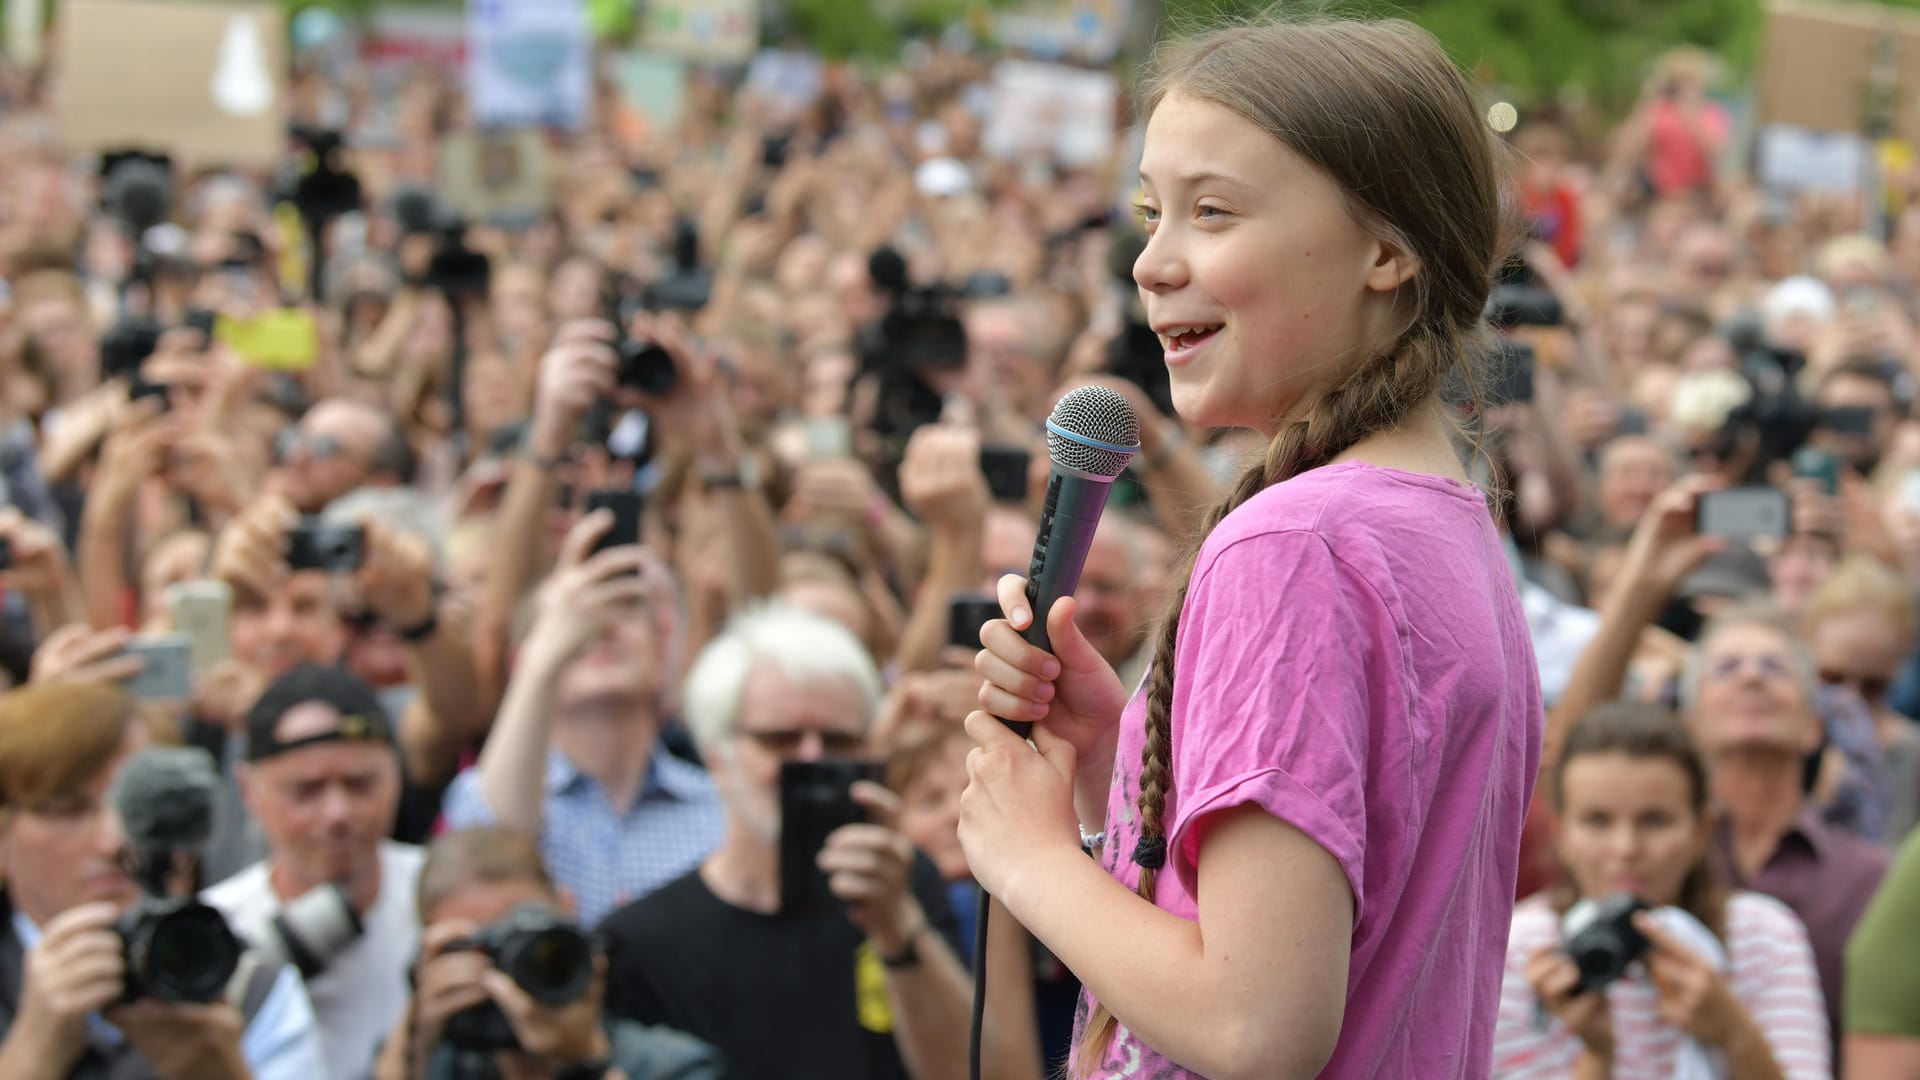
[[604, 856]]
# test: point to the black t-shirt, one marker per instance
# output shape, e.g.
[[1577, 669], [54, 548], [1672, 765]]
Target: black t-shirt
[[790, 996]]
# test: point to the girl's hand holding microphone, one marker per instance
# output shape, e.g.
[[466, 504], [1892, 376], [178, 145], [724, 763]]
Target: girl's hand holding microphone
[[1018, 809]]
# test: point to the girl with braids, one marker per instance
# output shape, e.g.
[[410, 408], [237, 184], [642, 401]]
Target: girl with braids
[[1312, 806]]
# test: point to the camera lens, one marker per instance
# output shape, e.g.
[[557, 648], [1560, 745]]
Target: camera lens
[[555, 966], [308, 932], [1602, 959], [646, 367], [181, 952]]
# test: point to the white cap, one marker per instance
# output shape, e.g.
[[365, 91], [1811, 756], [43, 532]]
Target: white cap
[[1799, 296], [942, 177]]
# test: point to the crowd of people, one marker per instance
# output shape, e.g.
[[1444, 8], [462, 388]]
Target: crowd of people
[[523, 598]]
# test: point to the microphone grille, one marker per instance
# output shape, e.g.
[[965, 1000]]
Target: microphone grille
[[1093, 431]]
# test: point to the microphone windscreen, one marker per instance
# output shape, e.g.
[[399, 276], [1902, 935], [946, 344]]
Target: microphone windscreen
[[165, 798], [1093, 431]]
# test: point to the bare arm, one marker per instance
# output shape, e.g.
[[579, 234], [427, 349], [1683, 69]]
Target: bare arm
[[1258, 1000], [1881, 1057], [584, 595], [1664, 549]]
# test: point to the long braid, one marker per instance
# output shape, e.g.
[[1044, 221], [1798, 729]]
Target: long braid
[[1373, 398]]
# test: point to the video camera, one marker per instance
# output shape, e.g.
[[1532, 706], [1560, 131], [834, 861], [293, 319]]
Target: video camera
[[921, 329], [136, 193], [551, 958], [644, 365], [177, 948], [324, 191], [453, 269], [1783, 418]]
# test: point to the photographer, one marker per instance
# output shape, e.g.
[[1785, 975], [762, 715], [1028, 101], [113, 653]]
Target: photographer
[[1664, 989], [475, 880], [322, 779], [1751, 699], [62, 962], [865, 982]]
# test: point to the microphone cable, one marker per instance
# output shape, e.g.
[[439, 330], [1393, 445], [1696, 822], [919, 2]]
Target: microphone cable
[[983, 902]]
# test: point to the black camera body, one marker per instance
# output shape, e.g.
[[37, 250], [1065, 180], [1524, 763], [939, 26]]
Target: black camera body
[[177, 950], [1523, 305], [643, 365], [319, 545], [550, 957], [1608, 942]]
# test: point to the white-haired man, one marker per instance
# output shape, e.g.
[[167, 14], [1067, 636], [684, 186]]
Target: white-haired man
[[870, 989]]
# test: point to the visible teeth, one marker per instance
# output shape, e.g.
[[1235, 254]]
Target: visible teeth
[[1175, 333]]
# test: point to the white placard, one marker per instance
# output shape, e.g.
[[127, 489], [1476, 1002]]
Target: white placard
[[529, 62]]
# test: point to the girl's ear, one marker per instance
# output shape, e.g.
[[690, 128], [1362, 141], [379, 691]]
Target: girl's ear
[[1392, 267]]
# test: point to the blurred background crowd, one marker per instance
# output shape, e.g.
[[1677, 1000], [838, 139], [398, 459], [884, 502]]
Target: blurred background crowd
[[552, 488]]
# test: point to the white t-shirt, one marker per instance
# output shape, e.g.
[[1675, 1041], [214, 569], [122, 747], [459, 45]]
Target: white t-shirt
[[363, 989]]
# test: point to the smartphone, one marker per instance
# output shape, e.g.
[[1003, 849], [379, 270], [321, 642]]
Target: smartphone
[[966, 614], [1909, 490], [139, 390], [200, 611], [1848, 420], [1632, 422], [167, 674], [319, 545], [1006, 469], [829, 438], [6, 552], [626, 507], [1745, 513], [1816, 464], [283, 339], [816, 797], [201, 319]]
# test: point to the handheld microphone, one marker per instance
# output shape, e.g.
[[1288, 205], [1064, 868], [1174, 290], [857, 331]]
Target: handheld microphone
[[1091, 435]]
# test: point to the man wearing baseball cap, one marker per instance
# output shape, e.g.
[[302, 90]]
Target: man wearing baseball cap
[[322, 777]]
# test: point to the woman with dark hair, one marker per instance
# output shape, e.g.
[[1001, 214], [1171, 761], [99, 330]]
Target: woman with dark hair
[[1726, 987]]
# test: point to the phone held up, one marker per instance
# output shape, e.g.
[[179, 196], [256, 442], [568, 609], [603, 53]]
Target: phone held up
[[816, 797], [1743, 514]]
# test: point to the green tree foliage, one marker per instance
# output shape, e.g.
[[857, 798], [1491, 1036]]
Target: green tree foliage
[[1535, 49]]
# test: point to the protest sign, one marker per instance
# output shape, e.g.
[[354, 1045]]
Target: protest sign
[[200, 81]]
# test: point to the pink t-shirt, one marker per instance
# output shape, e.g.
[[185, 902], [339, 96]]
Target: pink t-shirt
[[1353, 659]]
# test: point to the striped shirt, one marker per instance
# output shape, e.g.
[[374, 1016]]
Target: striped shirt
[[604, 855], [1772, 977]]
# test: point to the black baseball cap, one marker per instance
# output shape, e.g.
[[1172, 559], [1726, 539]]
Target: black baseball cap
[[362, 717]]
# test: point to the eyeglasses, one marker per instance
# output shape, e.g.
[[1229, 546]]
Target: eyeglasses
[[318, 447], [1768, 665], [790, 741], [1871, 688]]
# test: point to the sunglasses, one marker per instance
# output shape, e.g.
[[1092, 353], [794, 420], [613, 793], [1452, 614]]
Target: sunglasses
[[788, 742], [1871, 688]]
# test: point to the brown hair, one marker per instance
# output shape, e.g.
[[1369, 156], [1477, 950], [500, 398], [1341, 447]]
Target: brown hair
[[1379, 108], [483, 855], [1645, 733], [55, 737]]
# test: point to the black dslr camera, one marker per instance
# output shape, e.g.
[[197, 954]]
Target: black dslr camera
[[177, 950], [323, 545], [1608, 942], [550, 958]]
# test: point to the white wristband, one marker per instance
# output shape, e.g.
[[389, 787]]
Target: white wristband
[[1089, 840]]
